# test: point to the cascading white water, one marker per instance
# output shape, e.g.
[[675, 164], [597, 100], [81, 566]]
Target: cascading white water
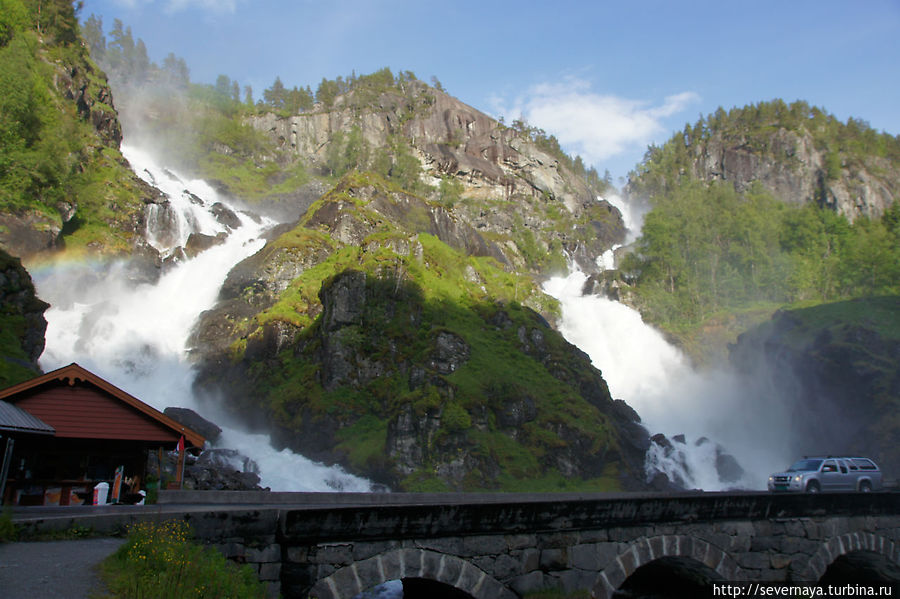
[[633, 218], [135, 335], [715, 411]]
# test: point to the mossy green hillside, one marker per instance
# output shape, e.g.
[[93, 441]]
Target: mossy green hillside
[[396, 335], [110, 206], [12, 356], [418, 292], [881, 314], [58, 154], [19, 308], [837, 322]]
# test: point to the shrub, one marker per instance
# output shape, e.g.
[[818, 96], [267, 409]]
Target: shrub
[[160, 562]]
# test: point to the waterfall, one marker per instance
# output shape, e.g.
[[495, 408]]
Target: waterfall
[[135, 335], [632, 218], [707, 416]]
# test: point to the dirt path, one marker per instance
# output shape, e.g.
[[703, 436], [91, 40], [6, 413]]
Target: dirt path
[[51, 569]]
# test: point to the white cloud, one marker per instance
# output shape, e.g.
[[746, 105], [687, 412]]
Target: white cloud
[[596, 126]]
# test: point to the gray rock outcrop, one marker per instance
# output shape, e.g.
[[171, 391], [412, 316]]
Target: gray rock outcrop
[[518, 189], [195, 422], [800, 175]]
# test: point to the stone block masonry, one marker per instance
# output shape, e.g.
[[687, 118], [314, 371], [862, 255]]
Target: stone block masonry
[[506, 546]]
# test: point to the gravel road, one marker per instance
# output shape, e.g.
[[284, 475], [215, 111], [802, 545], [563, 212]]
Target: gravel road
[[53, 569]]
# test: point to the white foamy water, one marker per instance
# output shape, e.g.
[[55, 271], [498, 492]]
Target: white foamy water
[[653, 377], [632, 215], [135, 335], [633, 218], [739, 415]]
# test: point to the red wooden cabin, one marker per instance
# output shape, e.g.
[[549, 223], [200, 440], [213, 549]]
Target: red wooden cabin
[[97, 427]]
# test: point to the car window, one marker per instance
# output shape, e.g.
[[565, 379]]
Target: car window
[[842, 466], [805, 465], [865, 464], [829, 466]]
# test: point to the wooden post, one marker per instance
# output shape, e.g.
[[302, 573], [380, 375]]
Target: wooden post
[[4, 469], [175, 482]]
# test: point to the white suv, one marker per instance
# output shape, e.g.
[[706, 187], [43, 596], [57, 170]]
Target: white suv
[[831, 473]]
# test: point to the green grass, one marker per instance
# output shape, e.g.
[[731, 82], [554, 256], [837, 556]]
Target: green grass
[[252, 179], [554, 481], [364, 442], [159, 561], [423, 481], [877, 313]]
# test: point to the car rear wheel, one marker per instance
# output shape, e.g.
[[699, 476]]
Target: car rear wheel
[[813, 487], [865, 487]]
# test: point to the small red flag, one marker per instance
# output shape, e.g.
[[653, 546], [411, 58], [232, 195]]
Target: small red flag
[[181, 445]]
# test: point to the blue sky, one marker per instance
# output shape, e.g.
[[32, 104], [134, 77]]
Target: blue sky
[[607, 78]]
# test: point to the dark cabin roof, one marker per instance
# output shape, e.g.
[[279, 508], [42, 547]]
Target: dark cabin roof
[[79, 404], [17, 420]]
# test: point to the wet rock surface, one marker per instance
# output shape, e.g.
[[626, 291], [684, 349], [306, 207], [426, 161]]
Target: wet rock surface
[[195, 422]]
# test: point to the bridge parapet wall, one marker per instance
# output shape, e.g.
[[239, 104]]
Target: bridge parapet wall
[[781, 550]]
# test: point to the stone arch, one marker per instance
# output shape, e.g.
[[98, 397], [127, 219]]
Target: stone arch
[[814, 568], [643, 551], [410, 563]]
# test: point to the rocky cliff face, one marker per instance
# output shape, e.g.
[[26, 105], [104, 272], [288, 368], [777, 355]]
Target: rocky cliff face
[[798, 153], [88, 89], [22, 323], [835, 366], [509, 185], [791, 167], [452, 138]]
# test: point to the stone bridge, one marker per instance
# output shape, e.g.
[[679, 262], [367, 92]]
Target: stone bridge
[[497, 546]]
